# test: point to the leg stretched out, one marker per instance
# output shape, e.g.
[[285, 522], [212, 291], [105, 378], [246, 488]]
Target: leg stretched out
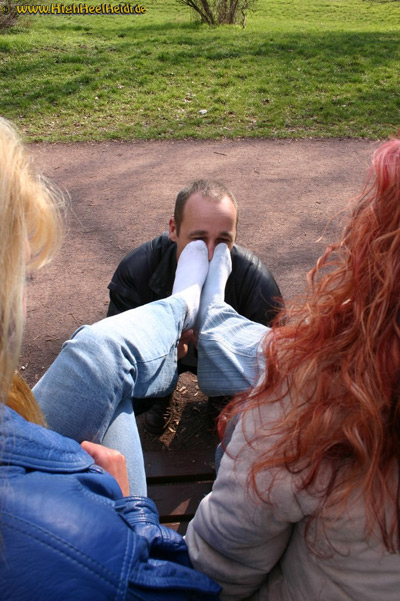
[[229, 358], [87, 392]]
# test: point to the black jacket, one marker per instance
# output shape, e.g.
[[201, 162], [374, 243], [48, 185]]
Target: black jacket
[[147, 274]]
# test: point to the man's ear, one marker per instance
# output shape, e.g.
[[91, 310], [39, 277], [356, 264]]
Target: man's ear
[[172, 230]]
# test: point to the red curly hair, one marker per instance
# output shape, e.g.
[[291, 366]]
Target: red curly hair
[[337, 356]]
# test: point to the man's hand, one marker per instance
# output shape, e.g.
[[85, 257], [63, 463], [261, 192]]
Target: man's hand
[[111, 460], [183, 346]]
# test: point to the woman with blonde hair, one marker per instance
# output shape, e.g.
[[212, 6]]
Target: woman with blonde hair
[[29, 211], [66, 530], [306, 504]]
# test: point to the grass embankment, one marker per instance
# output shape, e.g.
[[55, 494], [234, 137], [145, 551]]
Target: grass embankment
[[300, 68]]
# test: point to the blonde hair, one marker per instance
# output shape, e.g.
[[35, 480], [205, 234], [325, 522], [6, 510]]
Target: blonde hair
[[30, 234]]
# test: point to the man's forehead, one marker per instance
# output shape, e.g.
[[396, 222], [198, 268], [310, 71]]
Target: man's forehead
[[199, 200]]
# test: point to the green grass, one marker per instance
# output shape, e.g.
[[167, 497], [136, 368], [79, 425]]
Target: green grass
[[300, 68]]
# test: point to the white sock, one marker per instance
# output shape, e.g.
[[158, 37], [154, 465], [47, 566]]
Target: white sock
[[218, 274], [190, 275]]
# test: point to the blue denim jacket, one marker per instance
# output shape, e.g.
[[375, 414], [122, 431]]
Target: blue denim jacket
[[67, 533]]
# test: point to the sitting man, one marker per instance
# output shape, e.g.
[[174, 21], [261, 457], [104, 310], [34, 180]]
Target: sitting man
[[204, 210]]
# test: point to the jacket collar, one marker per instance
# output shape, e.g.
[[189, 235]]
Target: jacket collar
[[31, 446], [162, 280]]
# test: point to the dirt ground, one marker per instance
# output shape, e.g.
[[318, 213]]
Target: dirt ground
[[122, 194]]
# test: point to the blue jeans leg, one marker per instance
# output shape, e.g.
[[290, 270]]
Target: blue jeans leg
[[87, 392], [230, 358]]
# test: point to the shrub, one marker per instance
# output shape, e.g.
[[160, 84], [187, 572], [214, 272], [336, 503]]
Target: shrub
[[220, 12], [8, 13]]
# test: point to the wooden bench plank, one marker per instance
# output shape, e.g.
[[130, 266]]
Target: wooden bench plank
[[177, 481], [179, 466], [180, 527], [178, 502]]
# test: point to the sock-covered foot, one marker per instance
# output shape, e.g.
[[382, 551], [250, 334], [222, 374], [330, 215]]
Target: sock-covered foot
[[190, 275], [218, 274]]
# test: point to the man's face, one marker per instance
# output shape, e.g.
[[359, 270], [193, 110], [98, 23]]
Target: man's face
[[207, 220]]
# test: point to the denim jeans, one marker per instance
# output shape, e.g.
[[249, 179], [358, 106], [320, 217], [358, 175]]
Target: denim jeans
[[87, 392], [230, 356]]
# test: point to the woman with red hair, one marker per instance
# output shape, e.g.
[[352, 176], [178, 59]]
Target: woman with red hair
[[306, 504]]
